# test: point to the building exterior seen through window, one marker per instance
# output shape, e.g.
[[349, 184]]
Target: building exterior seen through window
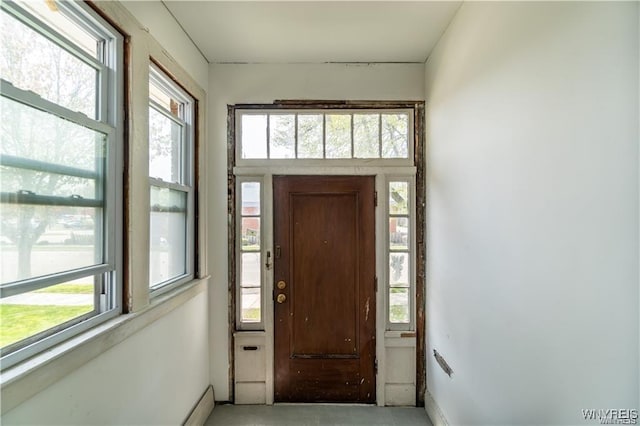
[[250, 252]]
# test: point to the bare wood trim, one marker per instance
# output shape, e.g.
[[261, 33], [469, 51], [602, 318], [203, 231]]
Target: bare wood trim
[[197, 262], [421, 379], [302, 104], [231, 226], [127, 288]]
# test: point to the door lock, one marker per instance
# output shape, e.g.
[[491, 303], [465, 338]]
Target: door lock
[[281, 298], [281, 285]]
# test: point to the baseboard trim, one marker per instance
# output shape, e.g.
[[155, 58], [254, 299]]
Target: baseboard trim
[[202, 410], [433, 411]]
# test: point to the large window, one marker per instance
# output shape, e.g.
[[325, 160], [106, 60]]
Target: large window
[[171, 165], [59, 174]]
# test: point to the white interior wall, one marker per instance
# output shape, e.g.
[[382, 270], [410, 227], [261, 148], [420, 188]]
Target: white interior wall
[[532, 225], [153, 378], [232, 84], [156, 375]]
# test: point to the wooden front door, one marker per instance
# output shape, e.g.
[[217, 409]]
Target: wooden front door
[[324, 289]]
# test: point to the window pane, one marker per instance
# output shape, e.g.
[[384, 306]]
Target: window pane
[[282, 136], [399, 305], [43, 183], [250, 198], [42, 240], [37, 135], [250, 270], [50, 13], [250, 233], [338, 136], [250, 304], [168, 223], [395, 136], [165, 147], [399, 233], [398, 197], [310, 136], [171, 105], [399, 269], [31, 62], [27, 314], [254, 136], [366, 134]]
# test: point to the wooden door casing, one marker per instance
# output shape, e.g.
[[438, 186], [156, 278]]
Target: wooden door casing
[[324, 229]]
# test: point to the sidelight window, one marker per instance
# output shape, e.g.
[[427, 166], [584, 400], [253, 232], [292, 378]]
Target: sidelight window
[[249, 243], [400, 253], [60, 69]]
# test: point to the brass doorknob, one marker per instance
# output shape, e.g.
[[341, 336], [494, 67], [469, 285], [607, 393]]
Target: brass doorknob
[[281, 298]]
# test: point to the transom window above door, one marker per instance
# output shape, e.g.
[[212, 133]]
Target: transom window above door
[[341, 135]]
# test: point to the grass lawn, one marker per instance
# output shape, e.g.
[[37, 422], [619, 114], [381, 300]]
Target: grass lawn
[[20, 321], [68, 289], [251, 314]]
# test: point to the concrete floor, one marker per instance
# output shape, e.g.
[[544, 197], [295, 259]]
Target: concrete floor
[[316, 415]]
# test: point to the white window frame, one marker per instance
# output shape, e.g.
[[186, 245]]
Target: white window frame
[[108, 273], [265, 255], [411, 213], [187, 105], [322, 162]]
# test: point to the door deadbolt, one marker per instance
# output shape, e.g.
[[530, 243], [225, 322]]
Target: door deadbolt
[[281, 285], [281, 298]]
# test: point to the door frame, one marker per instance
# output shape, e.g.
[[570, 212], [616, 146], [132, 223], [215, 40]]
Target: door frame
[[265, 174]]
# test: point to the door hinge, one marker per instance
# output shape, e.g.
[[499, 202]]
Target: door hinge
[[375, 366], [375, 198], [375, 284]]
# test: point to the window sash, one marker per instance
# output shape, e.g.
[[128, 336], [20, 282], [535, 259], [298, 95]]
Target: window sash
[[107, 274], [186, 152]]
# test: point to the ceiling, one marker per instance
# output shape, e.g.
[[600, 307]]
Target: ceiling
[[313, 31]]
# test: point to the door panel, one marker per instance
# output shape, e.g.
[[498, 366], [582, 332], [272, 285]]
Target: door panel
[[325, 329]]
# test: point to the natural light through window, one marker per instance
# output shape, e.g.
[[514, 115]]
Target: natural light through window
[[250, 252], [59, 192], [171, 182], [335, 135]]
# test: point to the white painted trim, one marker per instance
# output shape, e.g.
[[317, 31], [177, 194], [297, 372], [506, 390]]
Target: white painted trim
[[381, 323], [202, 410], [433, 411], [26, 379], [269, 315]]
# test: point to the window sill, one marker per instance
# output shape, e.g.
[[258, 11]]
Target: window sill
[[24, 380]]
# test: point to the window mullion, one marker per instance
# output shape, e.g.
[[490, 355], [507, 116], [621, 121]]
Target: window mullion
[[33, 100], [19, 287]]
